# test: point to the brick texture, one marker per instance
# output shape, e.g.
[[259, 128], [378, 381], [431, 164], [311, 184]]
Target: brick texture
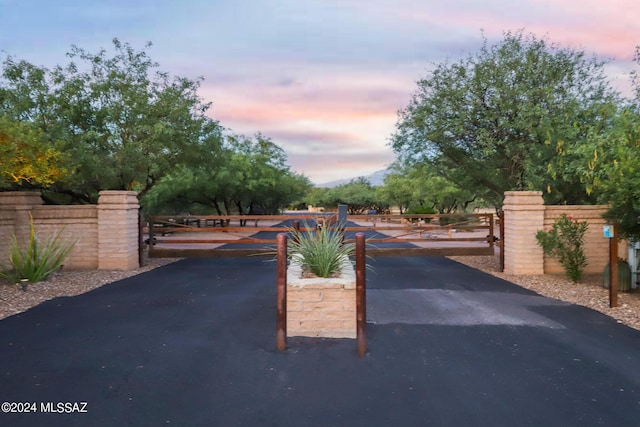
[[105, 235], [525, 214], [321, 308]]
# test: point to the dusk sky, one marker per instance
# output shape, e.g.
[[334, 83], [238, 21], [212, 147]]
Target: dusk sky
[[322, 78]]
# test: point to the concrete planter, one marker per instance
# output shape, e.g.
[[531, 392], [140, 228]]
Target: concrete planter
[[319, 307]]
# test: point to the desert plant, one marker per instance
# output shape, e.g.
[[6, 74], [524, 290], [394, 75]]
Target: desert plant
[[38, 260], [565, 242], [321, 252], [624, 275]]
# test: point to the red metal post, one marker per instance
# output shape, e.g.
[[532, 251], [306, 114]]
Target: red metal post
[[613, 267], [281, 323], [361, 295], [296, 226]]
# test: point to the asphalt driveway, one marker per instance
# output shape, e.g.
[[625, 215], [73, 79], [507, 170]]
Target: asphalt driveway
[[193, 344]]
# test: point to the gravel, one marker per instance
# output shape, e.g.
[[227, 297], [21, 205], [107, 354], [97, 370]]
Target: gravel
[[588, 293]]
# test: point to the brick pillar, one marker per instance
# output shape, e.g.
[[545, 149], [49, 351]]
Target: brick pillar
[[118, 230], [523, 217]]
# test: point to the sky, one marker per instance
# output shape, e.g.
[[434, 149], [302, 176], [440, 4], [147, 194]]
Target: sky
[[324, 79]]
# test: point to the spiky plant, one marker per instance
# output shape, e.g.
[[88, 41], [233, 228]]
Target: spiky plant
[[38, 260], [320, 252]]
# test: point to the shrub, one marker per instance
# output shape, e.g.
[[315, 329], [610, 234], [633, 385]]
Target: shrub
[[421, 210], [322, 252], [564, 242], [38, 260]]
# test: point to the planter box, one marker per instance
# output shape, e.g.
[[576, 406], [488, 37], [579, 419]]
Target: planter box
[[319, 307]]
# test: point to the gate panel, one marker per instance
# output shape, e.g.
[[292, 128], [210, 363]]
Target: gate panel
[[387, 235]]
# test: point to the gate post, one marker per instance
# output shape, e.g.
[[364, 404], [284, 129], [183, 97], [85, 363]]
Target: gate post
[[523, 217], [118, 230], [361, 295], [281, 322]]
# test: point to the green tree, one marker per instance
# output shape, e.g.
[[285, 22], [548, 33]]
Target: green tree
[[497, 120], [249, 175], [359, 195], [397, 190], [27, 158], [610, 166], [124, 123], [419, 186]]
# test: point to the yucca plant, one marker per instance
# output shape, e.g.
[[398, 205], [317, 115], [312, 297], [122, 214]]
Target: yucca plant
[[38, 260], [321, 253]]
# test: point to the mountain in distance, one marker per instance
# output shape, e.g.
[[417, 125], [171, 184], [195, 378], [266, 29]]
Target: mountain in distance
[[376, 179]]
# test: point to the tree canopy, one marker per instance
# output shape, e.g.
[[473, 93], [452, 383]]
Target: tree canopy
[[112, 120], [497, 120], [118, 112], [611, 165], [249, 175], [26, 157]]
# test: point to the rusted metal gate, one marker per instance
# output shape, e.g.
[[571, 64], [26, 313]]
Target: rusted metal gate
[[215, 236], [429, 235], [387, 235]]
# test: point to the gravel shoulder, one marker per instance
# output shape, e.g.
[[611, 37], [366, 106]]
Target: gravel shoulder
[[588, 293]]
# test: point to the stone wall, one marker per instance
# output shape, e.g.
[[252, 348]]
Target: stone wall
[[318, 307], [105, 235], [525, 214]]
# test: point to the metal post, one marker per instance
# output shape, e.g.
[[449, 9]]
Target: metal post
[[151, 238], [492, 238], [141, 260], [281, 323], [501, 219], [343, 211], [613, 267], [361, 295]]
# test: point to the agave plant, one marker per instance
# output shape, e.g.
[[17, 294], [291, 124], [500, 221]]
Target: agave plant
[[322, 253], [38, 260]]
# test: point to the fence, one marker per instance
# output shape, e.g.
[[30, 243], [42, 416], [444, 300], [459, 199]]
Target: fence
[[525, 214], [106, 234]]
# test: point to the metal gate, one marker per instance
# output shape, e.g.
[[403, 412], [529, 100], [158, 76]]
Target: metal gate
[[386, 235]]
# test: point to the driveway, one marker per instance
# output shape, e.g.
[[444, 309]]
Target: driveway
[[193, 344]]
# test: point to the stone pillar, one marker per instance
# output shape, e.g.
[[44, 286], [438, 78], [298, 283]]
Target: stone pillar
[[523, 217], [118, 230]]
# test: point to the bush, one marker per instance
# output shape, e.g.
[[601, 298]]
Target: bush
[[322, 252], [37, 261], [564, 242], [421, 210]]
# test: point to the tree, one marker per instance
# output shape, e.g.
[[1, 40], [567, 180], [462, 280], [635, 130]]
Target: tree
[[496, 121], [610, 166], [398, 190], [418, 186], [116, 111], [359, 195], [249, 175], [27, 158]]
